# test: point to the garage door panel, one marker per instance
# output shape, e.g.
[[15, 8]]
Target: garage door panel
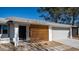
[[60, 34], [38, 33]]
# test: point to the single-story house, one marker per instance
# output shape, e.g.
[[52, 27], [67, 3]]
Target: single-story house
[[15, 29]]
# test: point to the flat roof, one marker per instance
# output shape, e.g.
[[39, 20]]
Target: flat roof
[[33, 21], [3, 21]]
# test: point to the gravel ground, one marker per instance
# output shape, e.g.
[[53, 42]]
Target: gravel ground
[[6, 47], [45, 46], [41, 46]]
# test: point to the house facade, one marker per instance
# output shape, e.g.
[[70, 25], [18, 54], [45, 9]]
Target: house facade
[[14, 29]]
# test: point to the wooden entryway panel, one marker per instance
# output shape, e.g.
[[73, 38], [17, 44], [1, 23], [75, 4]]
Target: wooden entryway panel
[[38, 33]]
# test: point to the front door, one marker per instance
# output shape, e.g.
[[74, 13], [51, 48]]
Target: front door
[[22, 32]]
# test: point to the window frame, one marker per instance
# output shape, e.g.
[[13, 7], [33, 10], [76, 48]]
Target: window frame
[[3, 29]]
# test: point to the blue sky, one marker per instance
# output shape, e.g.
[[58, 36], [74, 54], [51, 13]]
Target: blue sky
[[25, 12]]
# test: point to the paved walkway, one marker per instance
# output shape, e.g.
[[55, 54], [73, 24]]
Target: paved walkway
[[69, 42]]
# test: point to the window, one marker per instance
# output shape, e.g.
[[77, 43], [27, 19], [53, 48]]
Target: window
[[75, 31], [0, 29], [5, 29]]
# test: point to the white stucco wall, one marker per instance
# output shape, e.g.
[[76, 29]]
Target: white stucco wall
[[50, 33], [16, 34], [5, 38]]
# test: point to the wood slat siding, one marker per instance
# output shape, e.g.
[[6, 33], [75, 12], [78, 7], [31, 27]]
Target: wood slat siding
[[38, 33]]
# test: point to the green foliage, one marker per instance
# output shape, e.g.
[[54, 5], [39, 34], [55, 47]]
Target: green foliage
[[55, 12]]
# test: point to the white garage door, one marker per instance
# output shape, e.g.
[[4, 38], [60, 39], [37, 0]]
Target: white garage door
[[60, 34]]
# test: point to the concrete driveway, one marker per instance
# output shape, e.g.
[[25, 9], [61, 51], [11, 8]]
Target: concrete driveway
[[70, 42]]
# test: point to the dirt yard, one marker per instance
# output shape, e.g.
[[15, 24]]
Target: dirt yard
[[41, 46]]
